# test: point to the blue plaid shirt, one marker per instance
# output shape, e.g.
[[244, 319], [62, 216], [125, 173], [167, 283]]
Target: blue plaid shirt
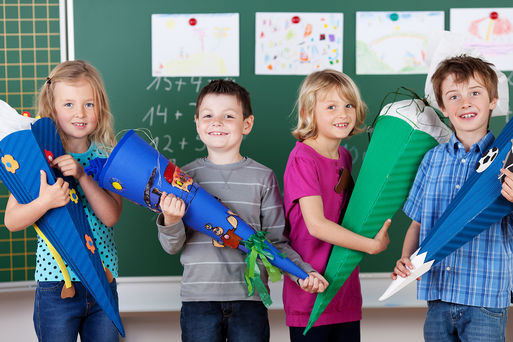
[[480, 272]]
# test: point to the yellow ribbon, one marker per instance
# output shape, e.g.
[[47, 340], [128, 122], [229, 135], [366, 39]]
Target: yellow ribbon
[[57, 257]]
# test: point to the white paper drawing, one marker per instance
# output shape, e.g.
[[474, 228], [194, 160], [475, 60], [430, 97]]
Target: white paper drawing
[[195, 44], [395, 42], [297, 43], [489, 31]]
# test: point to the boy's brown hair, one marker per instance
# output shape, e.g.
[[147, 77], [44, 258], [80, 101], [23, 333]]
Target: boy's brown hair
[[463, 68], [226, 87]]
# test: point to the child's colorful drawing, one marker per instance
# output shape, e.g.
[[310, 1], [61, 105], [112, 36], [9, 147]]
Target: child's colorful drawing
[[297, 43], [488, 30], [195, 44], [394, 42]]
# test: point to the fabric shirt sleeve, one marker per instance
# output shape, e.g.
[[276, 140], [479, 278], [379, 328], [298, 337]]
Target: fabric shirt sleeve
[[172, 238], [273, 222], [301, 178]]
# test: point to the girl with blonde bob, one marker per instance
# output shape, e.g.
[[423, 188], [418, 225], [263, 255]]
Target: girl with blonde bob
[[316, 191], [318, 82], [74, 97]]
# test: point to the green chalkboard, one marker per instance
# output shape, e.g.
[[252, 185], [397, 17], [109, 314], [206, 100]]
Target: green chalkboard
[[115, 36], [29, 49]]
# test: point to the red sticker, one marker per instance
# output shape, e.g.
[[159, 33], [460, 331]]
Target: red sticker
[[192, 21], [296, 19], [494, 15]]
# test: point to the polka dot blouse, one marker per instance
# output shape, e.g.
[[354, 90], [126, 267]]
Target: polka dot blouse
[[46, 266]]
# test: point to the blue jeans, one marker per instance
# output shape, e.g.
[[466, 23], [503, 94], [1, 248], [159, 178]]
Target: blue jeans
[[224, 321], [455, 322], [61, 320]]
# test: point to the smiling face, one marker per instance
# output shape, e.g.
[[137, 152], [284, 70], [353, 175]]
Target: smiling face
[[468, 106], [335, 116], [220, 123], [76, 113]]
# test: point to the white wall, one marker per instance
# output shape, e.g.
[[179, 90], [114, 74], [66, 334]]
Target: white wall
[[150, 312], [383, 325]]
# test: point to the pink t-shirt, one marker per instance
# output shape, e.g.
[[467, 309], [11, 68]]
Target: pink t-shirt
[[309, 174]]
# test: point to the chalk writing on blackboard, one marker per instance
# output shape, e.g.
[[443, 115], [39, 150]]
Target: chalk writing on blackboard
[[170, 84], [199, 149], [152, 112], [354, 152], [167, 140], [167, 84], [156, 83]]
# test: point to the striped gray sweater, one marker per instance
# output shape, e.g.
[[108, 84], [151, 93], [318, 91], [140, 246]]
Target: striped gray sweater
[[251, 191]]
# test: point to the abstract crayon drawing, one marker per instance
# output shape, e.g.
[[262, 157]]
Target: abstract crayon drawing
[[297, 43]]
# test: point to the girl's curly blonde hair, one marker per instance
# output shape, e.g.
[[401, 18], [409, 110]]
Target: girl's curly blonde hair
[[321, 82], [73, 72]]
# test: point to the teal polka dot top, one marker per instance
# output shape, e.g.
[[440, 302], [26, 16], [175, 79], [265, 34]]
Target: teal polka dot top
[[46, 266]]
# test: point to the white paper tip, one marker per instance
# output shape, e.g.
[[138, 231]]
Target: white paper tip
[[420, 267]]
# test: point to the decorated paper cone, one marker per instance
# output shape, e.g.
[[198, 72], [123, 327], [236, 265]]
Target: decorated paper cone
[[462, 221], [138, 172], [404, 132], [23, 154]]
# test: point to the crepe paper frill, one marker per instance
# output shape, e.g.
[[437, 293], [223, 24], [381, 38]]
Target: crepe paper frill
[[404, 132], [477, 205], [138, 172], [26, 150]]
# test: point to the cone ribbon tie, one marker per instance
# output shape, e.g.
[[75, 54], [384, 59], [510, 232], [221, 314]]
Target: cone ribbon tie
[[256, 244], [57, 257]]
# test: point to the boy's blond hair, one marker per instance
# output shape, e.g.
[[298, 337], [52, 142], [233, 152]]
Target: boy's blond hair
[[73, 72], [319, 82], [464, 68]]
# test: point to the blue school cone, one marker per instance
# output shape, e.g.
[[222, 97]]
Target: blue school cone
[[23, 154], [138, 172], [476, 206]]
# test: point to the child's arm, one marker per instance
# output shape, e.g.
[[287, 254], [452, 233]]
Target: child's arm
[[410, 245], [320, 227], [106, 205], [20, 216], [507, 185], [272, 221], [171, 228]]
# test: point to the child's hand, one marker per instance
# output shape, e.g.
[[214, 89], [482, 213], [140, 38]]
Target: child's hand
[[68, 166], [53, 196], [314, 283], [402, 268], [172, 207], [381, 240], [507, 185]]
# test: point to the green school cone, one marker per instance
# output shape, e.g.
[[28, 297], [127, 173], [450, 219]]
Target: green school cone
[[404, 132]]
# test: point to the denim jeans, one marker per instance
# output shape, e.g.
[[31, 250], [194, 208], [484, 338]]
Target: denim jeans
[[224, 321], [454, 322], [61, 320]]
